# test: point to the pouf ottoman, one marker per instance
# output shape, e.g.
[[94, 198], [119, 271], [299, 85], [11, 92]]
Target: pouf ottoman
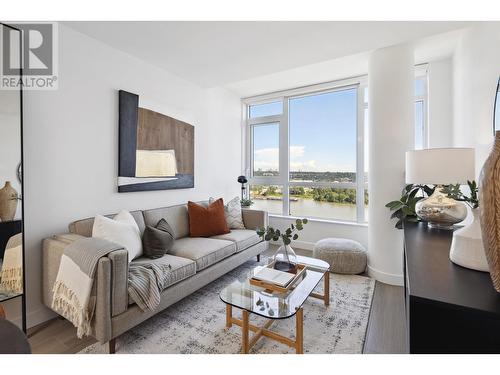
[[344, 256]]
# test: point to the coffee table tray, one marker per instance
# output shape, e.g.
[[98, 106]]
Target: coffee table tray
[[300, 273]]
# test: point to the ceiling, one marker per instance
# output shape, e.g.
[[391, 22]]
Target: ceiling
[[219, 53]]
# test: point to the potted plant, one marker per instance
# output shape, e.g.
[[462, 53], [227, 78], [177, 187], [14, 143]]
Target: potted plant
[[404, 208], [285, 258], [245, 203]]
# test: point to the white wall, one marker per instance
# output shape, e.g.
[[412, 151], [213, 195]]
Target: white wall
[[475, 78], [71, 143], [440, 103]]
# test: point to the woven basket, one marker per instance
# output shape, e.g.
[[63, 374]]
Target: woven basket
[[489, 199]]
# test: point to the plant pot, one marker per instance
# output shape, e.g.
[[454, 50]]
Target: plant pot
[[285, 259]]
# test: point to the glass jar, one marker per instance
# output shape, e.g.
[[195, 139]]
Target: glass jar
[[285, 259]]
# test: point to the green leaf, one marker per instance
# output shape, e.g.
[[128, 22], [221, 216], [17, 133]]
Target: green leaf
[[295, 236], [288, 231], [394, 204], [304, 221], [406, 210]]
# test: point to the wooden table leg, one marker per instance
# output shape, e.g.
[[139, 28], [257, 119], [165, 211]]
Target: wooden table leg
[[326, 292], [244, 333], [299, 332], [229, 315]]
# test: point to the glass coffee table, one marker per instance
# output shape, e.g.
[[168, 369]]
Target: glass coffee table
[[272, 305]]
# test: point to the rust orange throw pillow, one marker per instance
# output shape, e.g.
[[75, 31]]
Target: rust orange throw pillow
[[207, 221]]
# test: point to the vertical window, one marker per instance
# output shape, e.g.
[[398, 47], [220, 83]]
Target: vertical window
[[420, 113], [322, 153], [265, 141]]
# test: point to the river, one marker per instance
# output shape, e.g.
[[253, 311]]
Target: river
[[310, 208]]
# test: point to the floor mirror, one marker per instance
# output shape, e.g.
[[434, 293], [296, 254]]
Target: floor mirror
[[12, 275]]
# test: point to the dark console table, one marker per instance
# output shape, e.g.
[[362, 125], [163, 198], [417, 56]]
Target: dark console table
[[449, 309], [7, 230]]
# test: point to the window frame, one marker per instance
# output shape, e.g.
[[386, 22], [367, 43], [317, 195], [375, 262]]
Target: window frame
[[421, 72], [283, 179]]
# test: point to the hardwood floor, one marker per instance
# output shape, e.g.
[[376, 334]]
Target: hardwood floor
[[386, 332]]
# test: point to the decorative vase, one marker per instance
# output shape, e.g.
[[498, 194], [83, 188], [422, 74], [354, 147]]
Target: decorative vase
[[285, 259], [467, 248], [8, 202], [489, 196]]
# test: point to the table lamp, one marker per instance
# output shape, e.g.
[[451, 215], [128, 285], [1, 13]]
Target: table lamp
[[440, 166], [242, 180]]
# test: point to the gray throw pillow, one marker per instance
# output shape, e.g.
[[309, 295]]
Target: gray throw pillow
[[157, 241]]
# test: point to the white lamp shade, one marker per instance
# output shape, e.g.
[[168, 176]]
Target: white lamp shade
[[440, 166]]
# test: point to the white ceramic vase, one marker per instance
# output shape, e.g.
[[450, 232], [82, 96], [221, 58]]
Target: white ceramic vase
[[467, 248]]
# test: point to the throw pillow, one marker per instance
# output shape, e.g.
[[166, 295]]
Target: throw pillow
[[122, 229], [157, 241], [232, 211], [207, 221]]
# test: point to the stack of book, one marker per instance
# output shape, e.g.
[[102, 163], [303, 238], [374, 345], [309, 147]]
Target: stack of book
[[272, 276]]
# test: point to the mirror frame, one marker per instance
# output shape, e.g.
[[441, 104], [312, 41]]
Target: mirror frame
[[20, 175], [496, 116]]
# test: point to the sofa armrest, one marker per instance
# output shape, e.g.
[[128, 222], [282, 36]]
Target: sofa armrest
[[111, 281], [52, 251], [254, 219]]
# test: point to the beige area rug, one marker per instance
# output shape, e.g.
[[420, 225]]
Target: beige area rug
[[197, 323]]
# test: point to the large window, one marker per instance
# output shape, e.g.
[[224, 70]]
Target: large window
[[307, 155]]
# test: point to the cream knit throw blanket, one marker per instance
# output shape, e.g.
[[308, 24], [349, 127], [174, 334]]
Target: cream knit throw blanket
[[11, 274], [74, 290]]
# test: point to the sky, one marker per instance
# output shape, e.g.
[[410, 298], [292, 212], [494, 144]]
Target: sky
[[322, 132]]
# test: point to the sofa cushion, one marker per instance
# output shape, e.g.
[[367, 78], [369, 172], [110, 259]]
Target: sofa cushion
[[204, 251], [244, 238], [122, 229], [181, 268], [157, 241], [84, 227], [207, 221], [176, 217], [232, 211]]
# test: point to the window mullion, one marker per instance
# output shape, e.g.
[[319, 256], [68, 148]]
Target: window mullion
[[285, 157], [360, 158]]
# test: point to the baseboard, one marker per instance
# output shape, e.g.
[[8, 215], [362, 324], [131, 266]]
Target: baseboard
[[34, 318], [384, 277]]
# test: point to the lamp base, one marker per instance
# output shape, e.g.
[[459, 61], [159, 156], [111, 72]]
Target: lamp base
[[440, 211], [467, 248]]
